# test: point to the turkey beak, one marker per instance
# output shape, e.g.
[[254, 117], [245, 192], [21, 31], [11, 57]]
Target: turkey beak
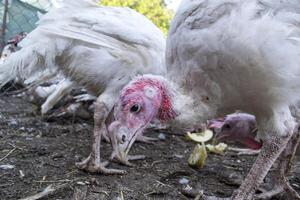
[[122, 139], [216, 125]]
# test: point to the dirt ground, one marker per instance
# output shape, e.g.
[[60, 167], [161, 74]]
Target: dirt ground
[[43, 153]]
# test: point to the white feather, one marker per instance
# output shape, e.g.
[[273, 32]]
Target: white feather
[[239, 55], [101, 48]]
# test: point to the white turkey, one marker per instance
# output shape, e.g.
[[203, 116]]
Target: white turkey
[[241, 127], [224, 56], [57, 88], [11, 46], [100, 48]]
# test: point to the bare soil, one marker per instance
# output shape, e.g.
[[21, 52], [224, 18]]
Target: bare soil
[[43, 152]]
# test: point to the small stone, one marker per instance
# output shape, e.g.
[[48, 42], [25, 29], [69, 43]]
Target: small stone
[[22, 129], [187, 188], [162, 136], [80, 183], [190, 192], [183, 181], [22, 175], [13, 122], [178, 156], [6, 167], [94, 181]]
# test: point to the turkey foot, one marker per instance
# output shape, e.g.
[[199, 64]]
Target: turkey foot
[[90, 165], [125, 159]]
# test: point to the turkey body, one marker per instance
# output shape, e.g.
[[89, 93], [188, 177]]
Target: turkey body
[[98, 47], [240, 55]]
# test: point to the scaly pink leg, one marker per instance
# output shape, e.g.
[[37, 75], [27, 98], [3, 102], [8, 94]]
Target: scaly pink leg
[[283, 168], [93, 163], [269, 153], [262, 165]]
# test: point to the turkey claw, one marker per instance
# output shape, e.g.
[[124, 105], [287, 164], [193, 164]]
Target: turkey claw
[[89, 165], [125, 160]]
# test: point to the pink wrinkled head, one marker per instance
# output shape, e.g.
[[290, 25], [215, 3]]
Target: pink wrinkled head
[[142, 100], [237, 127], [147, 90]]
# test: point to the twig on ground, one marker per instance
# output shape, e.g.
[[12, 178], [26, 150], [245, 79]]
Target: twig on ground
[[15, 146], [155, 162], [10, 152], [160, 183], [243, 151], [7, 184], [72, 172], [48, 190], [101, 192], [166, 185], [3, 174], [122, 195], [58, 181], [149, 193]]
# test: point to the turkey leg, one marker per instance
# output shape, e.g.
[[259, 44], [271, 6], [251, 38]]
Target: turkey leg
[[93, 163]]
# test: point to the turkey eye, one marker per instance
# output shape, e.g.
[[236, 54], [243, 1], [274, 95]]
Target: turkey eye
[[123, 138], [135, 108], [226, 127]]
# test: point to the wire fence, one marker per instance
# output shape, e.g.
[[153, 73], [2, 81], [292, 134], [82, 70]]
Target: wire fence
[[21, 16]]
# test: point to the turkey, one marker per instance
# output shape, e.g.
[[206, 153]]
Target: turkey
[[11, 46], [59, 85], [239, 127], [100, 48], [224, 56]]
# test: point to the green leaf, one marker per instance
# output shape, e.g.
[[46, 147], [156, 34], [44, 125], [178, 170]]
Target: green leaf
[[154, 10]]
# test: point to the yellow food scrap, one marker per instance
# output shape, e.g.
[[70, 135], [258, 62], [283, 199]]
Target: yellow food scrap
[[198, 156], [217, 149], [201, 137]]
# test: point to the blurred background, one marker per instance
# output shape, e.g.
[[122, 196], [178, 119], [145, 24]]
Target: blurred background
[[21, 15]]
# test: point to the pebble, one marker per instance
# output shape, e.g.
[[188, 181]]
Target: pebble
[[162, 136], [13, 122], [178, 156], [22, 175], [80, 183], [6, 167], [183, 181]]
